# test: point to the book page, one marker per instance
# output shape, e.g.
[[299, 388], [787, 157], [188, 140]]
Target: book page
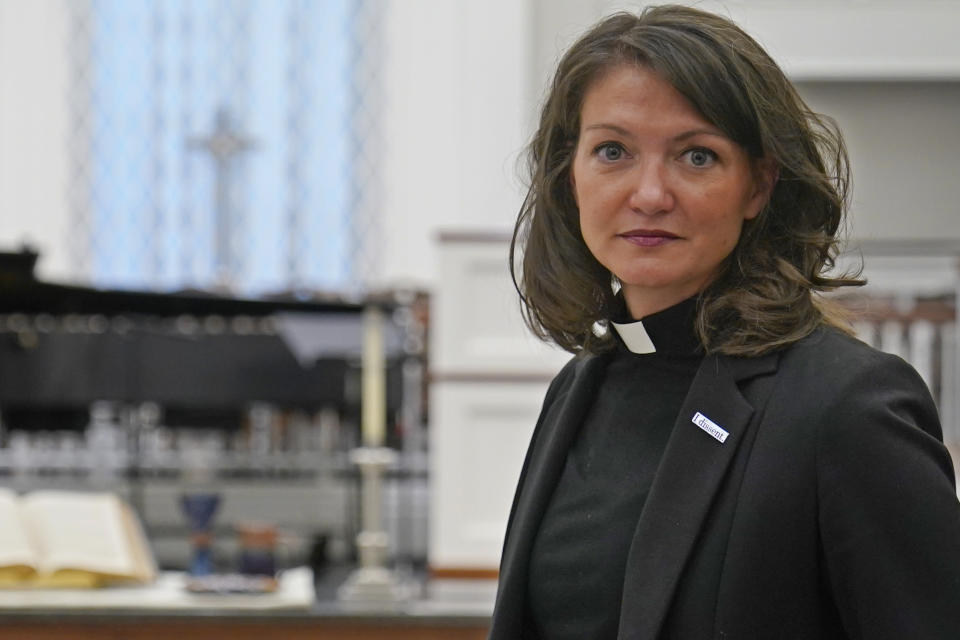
[[145, 563], [18, 556], [79, 531]]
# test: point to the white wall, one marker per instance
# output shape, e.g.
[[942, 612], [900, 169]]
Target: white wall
[[458, 97], [902, 139], [33, 130], [811, 39], [842, 39]]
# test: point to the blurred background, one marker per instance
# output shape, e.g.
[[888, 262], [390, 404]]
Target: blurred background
[[232, 171]]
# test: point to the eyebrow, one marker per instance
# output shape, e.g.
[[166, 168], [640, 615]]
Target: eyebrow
[[679, 138]]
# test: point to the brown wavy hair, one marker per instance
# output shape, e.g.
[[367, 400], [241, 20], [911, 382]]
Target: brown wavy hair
[[766, 293]]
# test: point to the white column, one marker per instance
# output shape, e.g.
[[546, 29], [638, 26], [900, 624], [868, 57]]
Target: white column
[[34, 131], [458, 98]]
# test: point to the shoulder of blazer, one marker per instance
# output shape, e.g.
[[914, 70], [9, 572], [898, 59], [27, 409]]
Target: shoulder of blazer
[[830, 358], [578, 368], [844, 374], [559, 387], [830, 346], [561, 382]]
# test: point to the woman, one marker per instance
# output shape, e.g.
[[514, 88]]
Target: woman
[[720, 459]]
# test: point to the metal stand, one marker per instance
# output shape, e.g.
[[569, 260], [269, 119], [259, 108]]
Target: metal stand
[[373, 582]]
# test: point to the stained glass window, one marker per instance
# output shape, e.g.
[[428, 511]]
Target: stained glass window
[[224, 143]]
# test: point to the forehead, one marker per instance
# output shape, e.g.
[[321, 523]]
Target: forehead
[[630, 92]]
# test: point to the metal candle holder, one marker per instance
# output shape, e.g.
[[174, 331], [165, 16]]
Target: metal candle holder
[[372, 581]]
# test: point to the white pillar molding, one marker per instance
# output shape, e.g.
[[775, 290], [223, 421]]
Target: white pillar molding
[[34, 132], [458, 99]]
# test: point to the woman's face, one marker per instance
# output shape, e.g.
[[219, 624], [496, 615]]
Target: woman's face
[[662, 192]]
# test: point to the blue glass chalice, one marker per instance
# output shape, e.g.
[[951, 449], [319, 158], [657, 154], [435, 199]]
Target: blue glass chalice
[[199, 509]]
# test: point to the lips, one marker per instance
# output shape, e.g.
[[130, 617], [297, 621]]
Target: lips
[[649, 237]]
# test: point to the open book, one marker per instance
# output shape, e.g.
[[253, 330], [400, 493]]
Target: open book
[[71, 539]]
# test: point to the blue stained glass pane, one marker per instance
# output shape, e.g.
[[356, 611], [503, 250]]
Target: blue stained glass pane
[[161, 71]]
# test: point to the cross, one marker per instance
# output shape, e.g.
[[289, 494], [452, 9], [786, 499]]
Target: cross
[[223, 145]]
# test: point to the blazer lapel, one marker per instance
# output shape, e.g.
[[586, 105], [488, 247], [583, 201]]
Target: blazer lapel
[[547, 458], [690, 472]]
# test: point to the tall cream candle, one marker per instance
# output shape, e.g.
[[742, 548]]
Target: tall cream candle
[[373, 388]]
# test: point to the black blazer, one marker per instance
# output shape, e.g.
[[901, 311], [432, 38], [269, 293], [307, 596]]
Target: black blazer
[[829, 511]]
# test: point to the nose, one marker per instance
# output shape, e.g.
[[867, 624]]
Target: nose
[[650, 192]]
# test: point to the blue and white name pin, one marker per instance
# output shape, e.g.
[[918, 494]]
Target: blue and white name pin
[[710, 427]]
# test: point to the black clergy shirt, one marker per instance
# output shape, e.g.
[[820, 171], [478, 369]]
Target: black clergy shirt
[[578, 558]]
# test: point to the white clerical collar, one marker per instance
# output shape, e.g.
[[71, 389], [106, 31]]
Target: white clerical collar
[[634, 335]]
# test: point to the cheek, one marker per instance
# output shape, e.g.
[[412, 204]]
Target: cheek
[[732, 238], [727, 239], [576, 180], [591, 212], [587, 226], [583, 196], [729, 207], [591, 224], [594, 196], [726, 228]]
